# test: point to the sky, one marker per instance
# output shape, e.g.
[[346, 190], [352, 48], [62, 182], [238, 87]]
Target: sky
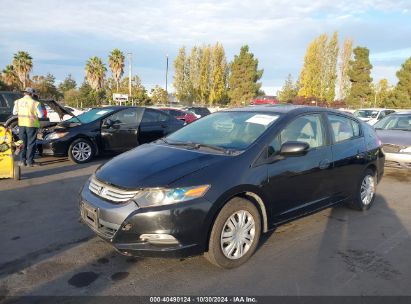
[[62, 35]]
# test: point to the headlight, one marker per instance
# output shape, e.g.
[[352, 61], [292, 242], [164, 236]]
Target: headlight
[[55, 135], [156, 197], [406, 150]]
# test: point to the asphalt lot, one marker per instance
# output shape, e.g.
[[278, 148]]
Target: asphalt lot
[[46, 251]]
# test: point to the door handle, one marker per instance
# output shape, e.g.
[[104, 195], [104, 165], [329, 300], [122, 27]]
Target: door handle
[[163, 126], [324, 164]]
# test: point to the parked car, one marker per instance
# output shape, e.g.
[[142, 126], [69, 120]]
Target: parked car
[[7, 99], [395, 134], [108, 129], [260, 100], [372, 115], [215, 185], [198, 111], [55, 116], [185, 116]]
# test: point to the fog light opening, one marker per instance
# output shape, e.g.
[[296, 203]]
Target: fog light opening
[[159, 239]]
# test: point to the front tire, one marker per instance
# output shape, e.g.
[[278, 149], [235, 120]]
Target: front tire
[[235, 234], [81, 151], [365, 192]]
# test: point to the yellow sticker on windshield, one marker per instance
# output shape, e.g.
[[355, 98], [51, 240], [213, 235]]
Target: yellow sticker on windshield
[[261, 119]]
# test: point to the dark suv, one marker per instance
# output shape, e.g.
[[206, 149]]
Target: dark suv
[[7, 99]]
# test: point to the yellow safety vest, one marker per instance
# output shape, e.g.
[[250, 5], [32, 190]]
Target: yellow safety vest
[[27, 112]]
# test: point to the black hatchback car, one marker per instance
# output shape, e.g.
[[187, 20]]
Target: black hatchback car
[[217, 184], [109, 129]]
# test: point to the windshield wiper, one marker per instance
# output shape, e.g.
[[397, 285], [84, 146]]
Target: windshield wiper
[[198, 146]]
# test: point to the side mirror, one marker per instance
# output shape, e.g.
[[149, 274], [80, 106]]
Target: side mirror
[[294, 148], [108, 123]]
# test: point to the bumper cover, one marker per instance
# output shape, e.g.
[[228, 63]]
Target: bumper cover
[[398, 160], [122, 225]]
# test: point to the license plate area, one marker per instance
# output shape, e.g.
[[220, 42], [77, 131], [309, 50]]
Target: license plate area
[[89, 215]]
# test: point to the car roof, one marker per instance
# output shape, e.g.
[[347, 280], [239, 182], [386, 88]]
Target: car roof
[[373, 109], [280, 108], [404, 112]]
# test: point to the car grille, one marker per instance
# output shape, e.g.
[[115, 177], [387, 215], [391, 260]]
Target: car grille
[[110, 193], [390, 148]]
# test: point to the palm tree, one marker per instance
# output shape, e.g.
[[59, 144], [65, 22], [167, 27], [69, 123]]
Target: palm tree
[[23, 64], [9, 76], [95, 72], [116, 63]]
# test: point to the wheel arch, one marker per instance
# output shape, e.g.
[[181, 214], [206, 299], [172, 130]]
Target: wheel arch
[[249, 193]]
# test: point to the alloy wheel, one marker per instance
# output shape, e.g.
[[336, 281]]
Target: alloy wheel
[[367, 189], [81, 151]]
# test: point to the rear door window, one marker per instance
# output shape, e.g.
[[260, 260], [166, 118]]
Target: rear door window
[[343, 128], [152, 116]]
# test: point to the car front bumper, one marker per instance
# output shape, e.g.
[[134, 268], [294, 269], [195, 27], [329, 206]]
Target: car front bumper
[[52, 147], [398, 160], [177, 230]]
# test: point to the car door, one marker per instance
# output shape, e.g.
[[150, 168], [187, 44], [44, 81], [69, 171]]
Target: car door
[[119, 131], [299, 184], [349, 152], [154, 125], [5, 111]]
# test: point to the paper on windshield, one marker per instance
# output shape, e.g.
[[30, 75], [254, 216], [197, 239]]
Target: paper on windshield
[[262, 119], [102, 112]]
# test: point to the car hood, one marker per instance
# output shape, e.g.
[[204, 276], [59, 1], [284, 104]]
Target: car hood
[[395, 137], [153, 165]]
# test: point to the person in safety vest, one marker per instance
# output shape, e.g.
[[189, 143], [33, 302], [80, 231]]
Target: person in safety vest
[[29, 111]]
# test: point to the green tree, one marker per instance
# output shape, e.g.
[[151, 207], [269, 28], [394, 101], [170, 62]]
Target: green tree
[[194, 75], [159, 95], [116, 64], [23, 64], [289, 90], [218, 79], [344, 66], [243, 77], [10, 77], [361, 93], [181, 75], [382, 93], [72, 98], [89, 97], [45, 86], [403, 87], [329, 78], [311, 76], [68, 84], [319, 73], [95, 73], [205, 72]]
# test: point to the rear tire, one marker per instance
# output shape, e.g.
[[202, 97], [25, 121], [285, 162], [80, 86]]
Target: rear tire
[[235, 234], [364, 195], [81, 151]]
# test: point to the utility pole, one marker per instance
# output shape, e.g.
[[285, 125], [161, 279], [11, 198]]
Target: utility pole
[[130, 58], [167, 76]]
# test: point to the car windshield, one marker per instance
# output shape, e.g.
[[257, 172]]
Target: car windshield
[[366, 113], [90, 116], [224, 130], [395, 122]]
